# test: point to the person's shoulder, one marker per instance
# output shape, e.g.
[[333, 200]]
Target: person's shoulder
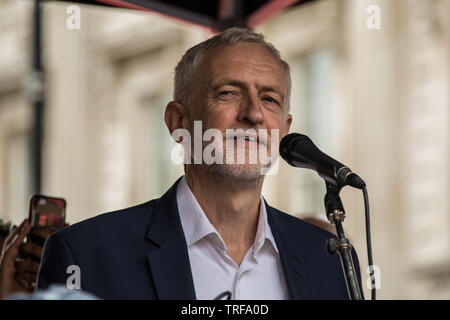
[[299, 227], [129, 219]]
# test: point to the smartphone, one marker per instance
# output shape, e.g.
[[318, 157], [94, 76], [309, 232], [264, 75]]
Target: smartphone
[[44, 212], [47, 212]]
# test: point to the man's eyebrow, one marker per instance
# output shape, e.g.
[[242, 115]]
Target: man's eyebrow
[[228, 82], [272, 89], [241, 84]]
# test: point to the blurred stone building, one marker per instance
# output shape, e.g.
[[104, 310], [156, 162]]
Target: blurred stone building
[[375, 98]]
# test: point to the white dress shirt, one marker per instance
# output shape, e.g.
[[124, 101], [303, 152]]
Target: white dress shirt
[[260, 275]]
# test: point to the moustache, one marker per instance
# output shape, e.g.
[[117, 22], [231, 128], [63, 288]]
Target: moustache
[[238, 134]]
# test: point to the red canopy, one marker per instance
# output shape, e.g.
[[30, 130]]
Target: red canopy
[[214, 14]]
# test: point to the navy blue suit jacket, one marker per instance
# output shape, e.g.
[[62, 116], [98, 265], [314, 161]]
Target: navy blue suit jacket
[[141, 253]]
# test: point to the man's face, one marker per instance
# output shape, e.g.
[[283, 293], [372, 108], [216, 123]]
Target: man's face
[[242, 86]]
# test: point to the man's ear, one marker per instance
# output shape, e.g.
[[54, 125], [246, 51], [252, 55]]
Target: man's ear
[[176, 116], [287, 125]]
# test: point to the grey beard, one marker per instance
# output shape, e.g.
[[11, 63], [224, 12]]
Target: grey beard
[[249, 175]]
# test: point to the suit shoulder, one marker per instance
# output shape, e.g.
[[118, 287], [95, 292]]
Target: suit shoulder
[[110, 222], [299, 226]]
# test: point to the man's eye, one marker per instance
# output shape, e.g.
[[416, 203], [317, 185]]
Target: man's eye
[[270, 99], [227, 95]]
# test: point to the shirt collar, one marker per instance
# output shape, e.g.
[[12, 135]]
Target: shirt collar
[[194, 221], [263, 231], [197, 226]]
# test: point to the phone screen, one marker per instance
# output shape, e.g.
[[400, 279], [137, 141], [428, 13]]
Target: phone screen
[[47, 212], [44, 212]]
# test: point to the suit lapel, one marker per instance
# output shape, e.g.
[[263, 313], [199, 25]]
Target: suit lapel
[[291, 255], [169, 262]]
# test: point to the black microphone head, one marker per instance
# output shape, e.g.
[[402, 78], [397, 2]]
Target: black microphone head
[[299, 151], [288, 142]]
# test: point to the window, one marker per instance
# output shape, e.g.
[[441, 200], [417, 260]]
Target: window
[[18, 178], [155, 169], [311, 105]]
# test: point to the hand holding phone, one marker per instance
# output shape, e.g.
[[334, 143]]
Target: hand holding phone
[[15, 275], [45, 215], [20, 259]]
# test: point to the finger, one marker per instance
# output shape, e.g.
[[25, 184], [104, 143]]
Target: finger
[[26, 278], [12, 232], [17, 239], [26, 265], [12, 236], [31, 248], [41, 232], [11, 239]]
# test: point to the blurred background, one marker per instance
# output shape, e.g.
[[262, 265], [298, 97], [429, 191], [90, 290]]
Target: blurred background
[[375, 98]]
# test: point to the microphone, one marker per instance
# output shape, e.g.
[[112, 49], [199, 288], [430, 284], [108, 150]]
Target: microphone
[[299, 151]]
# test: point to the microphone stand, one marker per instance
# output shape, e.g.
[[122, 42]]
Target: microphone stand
[[341, 245]]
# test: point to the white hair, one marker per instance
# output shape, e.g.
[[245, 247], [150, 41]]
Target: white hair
[[186, 68]]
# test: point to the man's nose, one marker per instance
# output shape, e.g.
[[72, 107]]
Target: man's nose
[[251, 110]]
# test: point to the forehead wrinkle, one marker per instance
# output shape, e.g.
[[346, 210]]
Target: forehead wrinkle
[[244, 85], [227, 82], [219, 64]]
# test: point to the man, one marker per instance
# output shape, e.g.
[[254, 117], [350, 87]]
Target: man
[[212, 231]]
